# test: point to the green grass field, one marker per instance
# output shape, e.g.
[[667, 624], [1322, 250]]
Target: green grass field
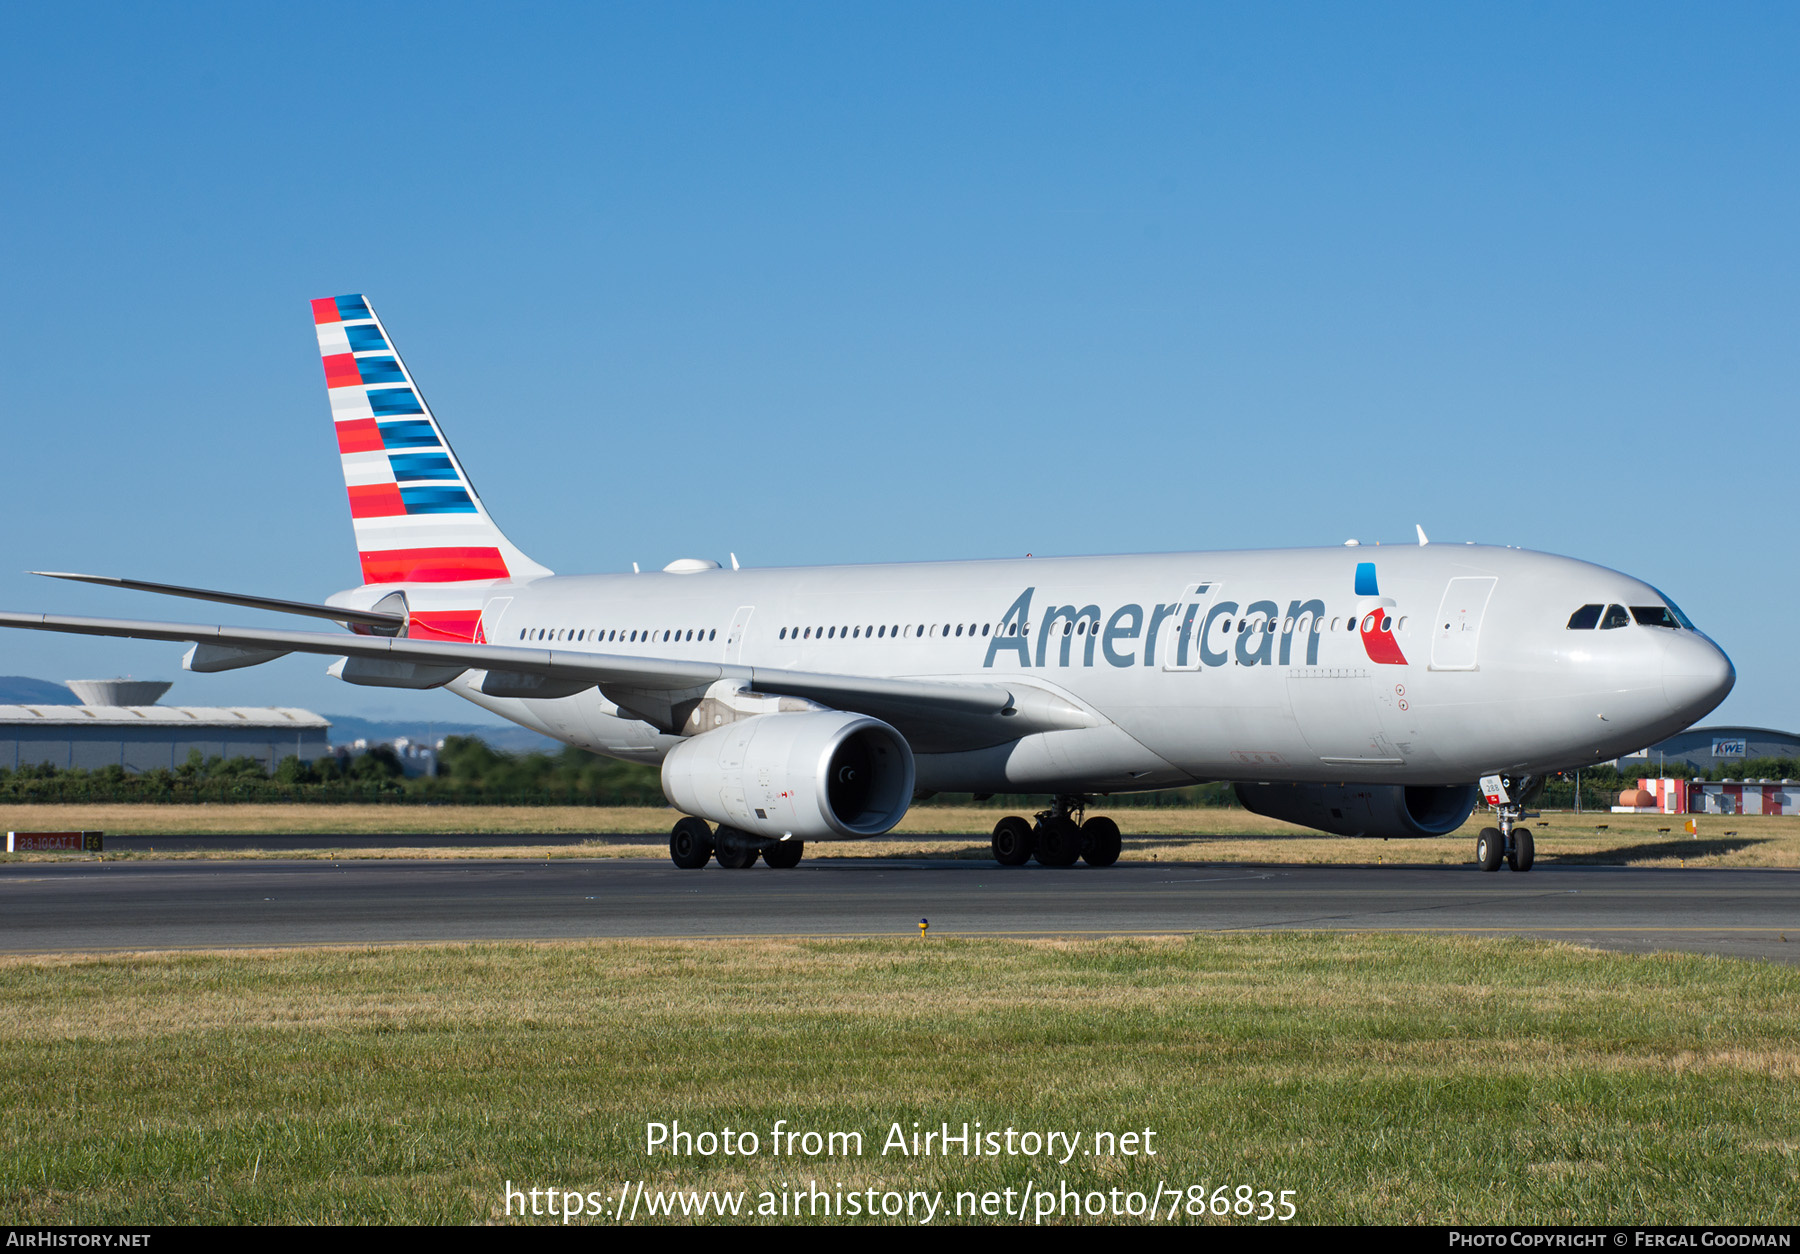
[[1383, 1079]]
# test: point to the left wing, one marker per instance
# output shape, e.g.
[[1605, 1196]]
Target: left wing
[[934, 715]]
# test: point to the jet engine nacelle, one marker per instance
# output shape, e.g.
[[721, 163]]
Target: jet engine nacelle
[[1364, 809], [819, 775]]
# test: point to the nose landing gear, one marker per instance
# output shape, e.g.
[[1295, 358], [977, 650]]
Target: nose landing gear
[[1510, 842]]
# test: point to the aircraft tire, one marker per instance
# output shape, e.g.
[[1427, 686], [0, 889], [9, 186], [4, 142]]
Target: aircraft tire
[[1488, 847], [1523, 852], [1058, 843], [691, 844], [786, 855], [1014, 841], [733, 849], [1101, 843]]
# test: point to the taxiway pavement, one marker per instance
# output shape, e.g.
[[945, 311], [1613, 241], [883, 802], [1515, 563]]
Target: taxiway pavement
[[143, 905]]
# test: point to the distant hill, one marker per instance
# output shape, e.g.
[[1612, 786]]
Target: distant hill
[[23, 690], [508, 739]]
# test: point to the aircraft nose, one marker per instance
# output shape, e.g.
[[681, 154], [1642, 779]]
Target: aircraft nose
[[1696, 675]]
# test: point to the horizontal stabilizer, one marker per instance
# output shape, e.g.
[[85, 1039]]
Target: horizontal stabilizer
[[337, 613]]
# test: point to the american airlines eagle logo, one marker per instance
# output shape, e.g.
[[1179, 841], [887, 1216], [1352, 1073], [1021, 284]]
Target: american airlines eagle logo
[[1377, 625]]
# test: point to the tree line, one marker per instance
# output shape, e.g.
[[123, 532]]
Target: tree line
[[470, 772]]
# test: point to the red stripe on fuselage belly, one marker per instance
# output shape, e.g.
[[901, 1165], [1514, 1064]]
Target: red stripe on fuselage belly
[[432, 565], [442, 624]]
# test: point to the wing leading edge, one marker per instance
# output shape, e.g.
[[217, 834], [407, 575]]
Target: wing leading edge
[[341, 614]]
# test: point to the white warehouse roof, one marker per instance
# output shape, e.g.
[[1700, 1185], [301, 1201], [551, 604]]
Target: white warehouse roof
[[286, 718]]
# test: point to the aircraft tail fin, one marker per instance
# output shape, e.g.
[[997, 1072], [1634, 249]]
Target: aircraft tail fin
[[416, 515]]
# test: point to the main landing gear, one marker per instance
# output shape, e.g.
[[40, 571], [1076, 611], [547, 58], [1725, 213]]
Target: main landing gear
[[1510, 842], [693, 844], [1058, 838]]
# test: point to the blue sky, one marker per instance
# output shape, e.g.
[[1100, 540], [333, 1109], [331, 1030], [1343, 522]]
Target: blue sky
[[868, 282]]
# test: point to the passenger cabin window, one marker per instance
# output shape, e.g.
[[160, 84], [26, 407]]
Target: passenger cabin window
[[1654, 616], [1615, 617], [1586, 618]]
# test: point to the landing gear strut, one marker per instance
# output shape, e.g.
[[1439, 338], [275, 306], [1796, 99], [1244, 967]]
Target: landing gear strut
[[1058, 832]]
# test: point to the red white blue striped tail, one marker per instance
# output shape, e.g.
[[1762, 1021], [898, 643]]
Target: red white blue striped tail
[[416, 515]]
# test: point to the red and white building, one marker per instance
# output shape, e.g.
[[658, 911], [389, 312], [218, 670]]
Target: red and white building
[[1681, 796], [1760, 796]]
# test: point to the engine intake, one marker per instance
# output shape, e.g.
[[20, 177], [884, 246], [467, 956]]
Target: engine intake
[[820, 775], [1388, 810]]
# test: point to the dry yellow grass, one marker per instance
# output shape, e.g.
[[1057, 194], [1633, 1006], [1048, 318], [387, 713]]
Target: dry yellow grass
[[1207, 835], [201, 820]]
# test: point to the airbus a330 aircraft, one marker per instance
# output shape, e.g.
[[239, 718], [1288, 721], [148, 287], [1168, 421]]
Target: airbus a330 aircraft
[[1359, 691]]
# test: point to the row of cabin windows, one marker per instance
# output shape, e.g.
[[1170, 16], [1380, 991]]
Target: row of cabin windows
[[895, 632], [1589, 617], [1078, 627], [615, 635]]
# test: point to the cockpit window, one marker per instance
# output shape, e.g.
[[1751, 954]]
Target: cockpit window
[[1675, 609], [1585, 619], [1616, 616], [1655, 616]]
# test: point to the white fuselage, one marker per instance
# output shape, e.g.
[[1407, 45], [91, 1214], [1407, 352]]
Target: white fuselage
[[1256, 665]]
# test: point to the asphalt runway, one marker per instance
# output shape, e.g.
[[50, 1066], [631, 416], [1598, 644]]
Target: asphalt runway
[[73, 906]]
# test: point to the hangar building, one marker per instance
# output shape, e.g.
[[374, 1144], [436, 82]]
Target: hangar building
[[1706, 747], [119, 723]]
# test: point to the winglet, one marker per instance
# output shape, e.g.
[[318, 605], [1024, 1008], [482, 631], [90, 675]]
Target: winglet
[[1421, 530]]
